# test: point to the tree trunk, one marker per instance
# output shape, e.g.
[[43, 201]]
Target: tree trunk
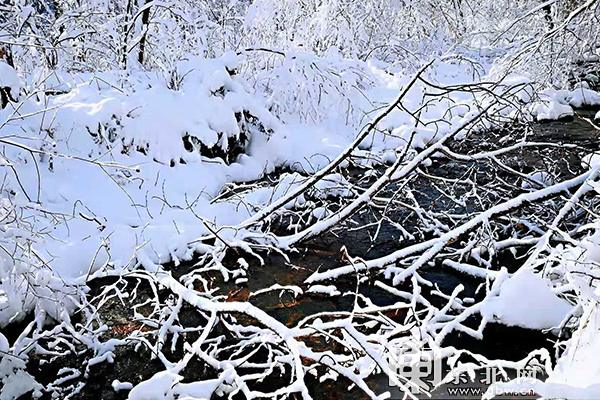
[[125, 34], [145, 21]]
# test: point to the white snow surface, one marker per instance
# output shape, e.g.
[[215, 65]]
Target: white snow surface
[[577, 371], [590, 160], [526, 300], [329, 290], [584, 97], [134, 212], [10, 79], [553, 105], [557, 104]]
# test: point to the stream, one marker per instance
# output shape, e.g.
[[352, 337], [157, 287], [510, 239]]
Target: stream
[[509, 343]]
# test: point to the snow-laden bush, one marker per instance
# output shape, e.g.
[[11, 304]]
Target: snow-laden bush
[[25, 283], [107, 35], [209, 114], [301, 87], [394, 31], [136, 120]]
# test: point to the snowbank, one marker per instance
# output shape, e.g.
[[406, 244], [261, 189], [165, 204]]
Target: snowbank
[[527, 301], [9, 79], [209, 114], [559, 104], [553, 105], [584, 97], [577, 370]]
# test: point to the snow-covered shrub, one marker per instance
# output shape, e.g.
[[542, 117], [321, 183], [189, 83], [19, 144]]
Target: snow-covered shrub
[[302, 87], [107, 35], [210, 113], [394, 31], [559, 104], [26, 283]]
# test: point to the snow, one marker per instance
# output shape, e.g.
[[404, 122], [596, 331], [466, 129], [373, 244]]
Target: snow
[[579, 366], [553, 106], [577, 371], [305, 88], [543, 177], [117, 385], [597, 116], [156, 388], [329, 290], [558, 104], [115, 187], [4, 345], [590, 160], [17, 383], [166, 385], [584, 97], [10, 79], [526, 300], [150, 116]]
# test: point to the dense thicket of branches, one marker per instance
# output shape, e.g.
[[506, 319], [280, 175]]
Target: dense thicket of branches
[[101, 35]]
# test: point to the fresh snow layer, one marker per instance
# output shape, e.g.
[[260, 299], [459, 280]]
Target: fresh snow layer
[[526, 300], [576, 374], [322, 289], [4, 345], [166, 385], [584, 97], [117, 385], [590, 160], [114, 210], [558, 104], [9, 79], [553, 105], [580, 366]]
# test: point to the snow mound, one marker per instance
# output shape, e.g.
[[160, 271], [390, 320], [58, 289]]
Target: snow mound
[[205, 110], [305, 88], [553, 105], [591, 160], [580, 366], [166, 385], [333, 185], [526, 300], [15, 381], [559, 104], [584, 97], [9, 79], [329, 290]]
